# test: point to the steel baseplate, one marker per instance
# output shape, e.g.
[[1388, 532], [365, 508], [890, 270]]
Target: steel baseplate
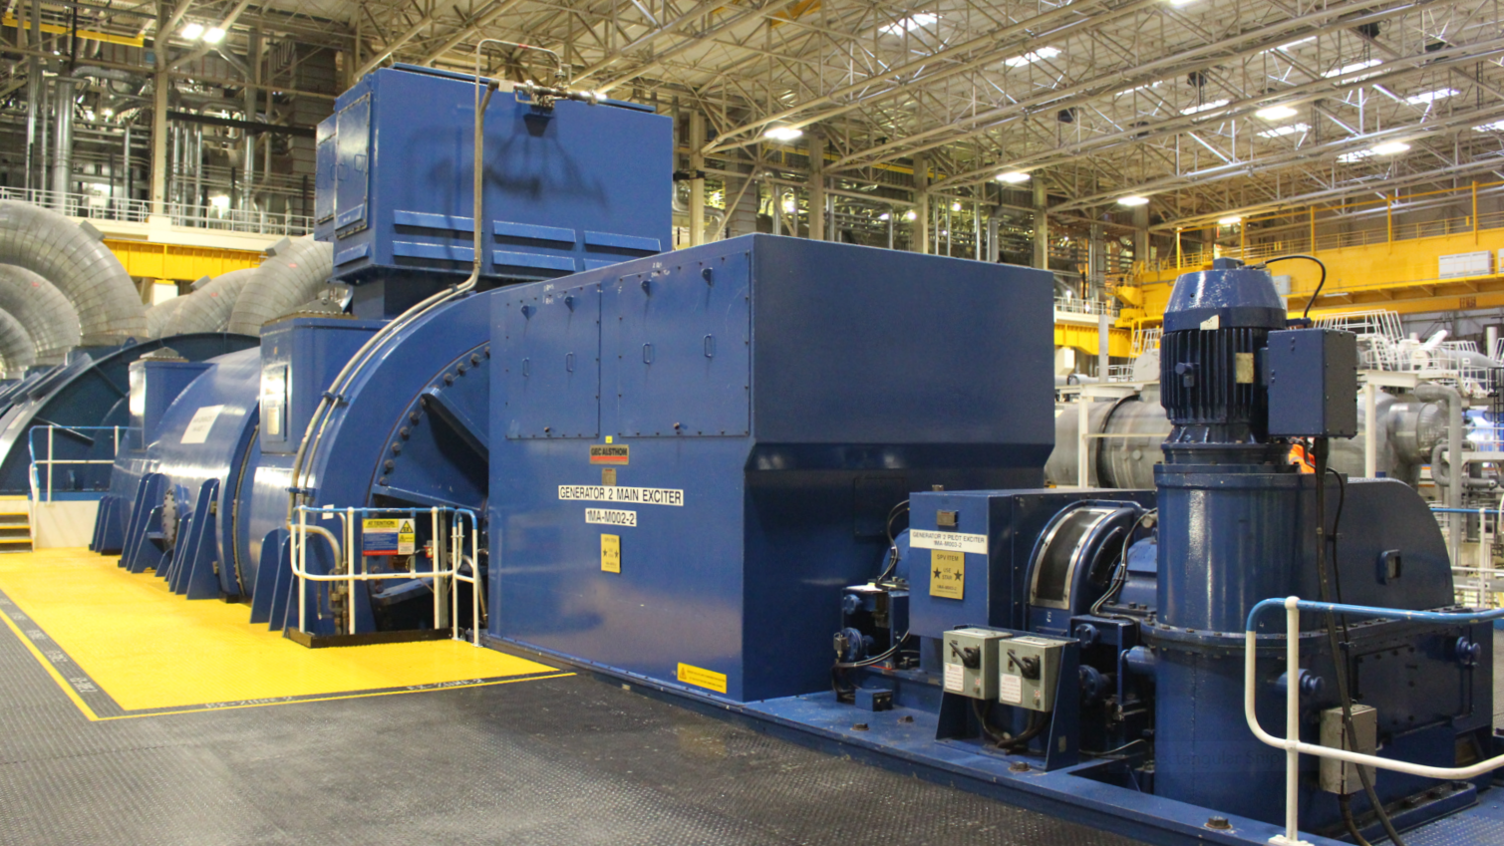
[[1099, 793]]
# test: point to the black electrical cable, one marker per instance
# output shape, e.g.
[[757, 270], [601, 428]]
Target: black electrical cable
[[876, 659], [1038, 721], [1345, 802], [1340, 665], [892, 543], [1120, 573], [1306, 315]]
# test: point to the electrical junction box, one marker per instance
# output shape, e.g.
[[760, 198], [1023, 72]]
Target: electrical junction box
[[971, 657], [1313, 383], [1029, 669], [1340, 776]]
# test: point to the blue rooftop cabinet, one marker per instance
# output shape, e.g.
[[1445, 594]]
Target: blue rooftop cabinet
[[568, 188]]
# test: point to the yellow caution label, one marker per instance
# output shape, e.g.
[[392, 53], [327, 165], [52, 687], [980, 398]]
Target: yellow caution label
[[406, 538], [947, 573], [611, 553], [701, 677]]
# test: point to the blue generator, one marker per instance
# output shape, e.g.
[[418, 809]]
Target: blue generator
[[800, 482], [386, 408]]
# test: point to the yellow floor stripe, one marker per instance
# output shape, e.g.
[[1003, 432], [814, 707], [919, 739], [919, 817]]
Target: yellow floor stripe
[[150, 649]]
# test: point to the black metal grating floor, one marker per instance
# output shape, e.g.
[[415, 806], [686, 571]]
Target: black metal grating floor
[[560, 761]]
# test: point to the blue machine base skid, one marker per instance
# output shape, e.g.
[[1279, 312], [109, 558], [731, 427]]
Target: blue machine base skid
[[902, 739]]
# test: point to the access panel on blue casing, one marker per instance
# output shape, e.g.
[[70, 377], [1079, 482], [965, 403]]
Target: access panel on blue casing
[[553, 379]]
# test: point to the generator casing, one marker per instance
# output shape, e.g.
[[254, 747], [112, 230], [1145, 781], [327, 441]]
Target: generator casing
[[777, 398]]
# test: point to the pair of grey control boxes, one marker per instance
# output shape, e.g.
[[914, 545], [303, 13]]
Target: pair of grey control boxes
[[1011, 669]]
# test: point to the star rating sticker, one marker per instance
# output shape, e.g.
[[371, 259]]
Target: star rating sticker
[[937, 572]]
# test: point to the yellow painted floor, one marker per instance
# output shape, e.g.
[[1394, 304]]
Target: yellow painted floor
[[151, 651]]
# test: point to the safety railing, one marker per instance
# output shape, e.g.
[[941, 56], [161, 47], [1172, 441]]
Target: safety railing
[[98, 207], [347, 553], [1078, 305], [1292, 744], [1479, 584], [43, 492]]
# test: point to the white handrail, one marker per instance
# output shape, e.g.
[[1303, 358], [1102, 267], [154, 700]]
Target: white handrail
[[50, 460], [344, 559], [1291, 742]]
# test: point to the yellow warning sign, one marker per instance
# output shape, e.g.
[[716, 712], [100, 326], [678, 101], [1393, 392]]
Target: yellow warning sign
[[701, 677], [406, 538], [947, 573], [611, 553]]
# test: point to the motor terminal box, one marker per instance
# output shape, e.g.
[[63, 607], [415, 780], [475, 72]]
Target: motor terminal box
[[1340, 776], [1028, 671], [971, 657]]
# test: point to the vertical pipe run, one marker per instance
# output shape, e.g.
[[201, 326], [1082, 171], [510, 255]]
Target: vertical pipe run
[[1292, 721], [697, 180], [130, 171], [1370, 430], [976, 229], [1041, 227], [198, 166], [817, 186], [1104, 338], [920, 243], [62, 167]]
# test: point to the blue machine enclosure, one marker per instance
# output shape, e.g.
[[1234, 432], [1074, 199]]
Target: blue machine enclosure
[[568, 188], [769, 394]]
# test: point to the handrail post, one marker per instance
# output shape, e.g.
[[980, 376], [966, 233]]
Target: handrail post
[[350, 568], [474, 580], [456, 555], [50, 430], [302, 561], [1292, 721], [433, 513]]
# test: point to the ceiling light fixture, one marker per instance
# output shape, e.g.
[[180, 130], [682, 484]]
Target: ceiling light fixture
[[192, 31], [1426, 97], [1275, 113], [214, 35], [919, 20], [1012, 177], [783, 133], [1032, 56], [1282, 131], [1390, 148], [1133, 200], [1230, 221]]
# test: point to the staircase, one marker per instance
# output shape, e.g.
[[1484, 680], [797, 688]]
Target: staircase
[[15, 524]]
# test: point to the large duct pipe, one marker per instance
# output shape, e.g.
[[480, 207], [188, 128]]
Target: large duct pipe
[[1407, 431], [1452, 477], [208, 309], [158, 316], [62, 167], [88, 274], [16, 349], [43, 312], [295, 274]]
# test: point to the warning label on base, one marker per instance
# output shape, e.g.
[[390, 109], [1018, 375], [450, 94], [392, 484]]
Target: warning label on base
[[700, 677]]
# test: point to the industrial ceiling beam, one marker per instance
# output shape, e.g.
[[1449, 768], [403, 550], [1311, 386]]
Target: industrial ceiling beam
[[385, 52]]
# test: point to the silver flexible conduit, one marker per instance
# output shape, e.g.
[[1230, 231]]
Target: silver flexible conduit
[[296, 274], [82, 267], [16, 348], [209, 308], [42, 310]]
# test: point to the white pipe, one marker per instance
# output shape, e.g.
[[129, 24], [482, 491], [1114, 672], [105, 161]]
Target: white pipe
[[320, 418]]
